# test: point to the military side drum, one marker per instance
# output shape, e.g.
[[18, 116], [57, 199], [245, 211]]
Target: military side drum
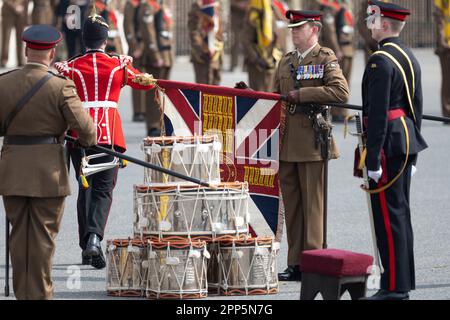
[[191, 211], [194, 156], [177, 270], [125, 273], [248, 267]]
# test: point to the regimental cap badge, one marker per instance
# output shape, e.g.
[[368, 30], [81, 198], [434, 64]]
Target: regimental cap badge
[[94, 17]]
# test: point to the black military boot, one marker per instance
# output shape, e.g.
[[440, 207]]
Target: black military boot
[[85, 259], [292, 273], [94, 250]]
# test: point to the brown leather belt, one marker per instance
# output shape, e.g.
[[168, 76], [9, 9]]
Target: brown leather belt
[[29, 140]]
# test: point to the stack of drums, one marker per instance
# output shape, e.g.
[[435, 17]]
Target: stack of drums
[[189, 239]]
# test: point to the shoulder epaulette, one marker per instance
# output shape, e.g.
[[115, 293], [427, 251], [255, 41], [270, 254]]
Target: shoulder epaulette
[[326, 50]]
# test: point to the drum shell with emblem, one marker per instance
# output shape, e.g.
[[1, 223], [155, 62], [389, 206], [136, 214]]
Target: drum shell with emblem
[[248, 266], [177, 270], [126, 274], [191, 211]]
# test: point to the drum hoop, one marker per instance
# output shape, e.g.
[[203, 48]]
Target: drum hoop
[[247, 242], [223, 186], [243, 292], [177, 244], [123, 243]]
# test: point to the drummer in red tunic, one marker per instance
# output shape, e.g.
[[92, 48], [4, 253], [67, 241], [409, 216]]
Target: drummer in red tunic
[[99, 78]]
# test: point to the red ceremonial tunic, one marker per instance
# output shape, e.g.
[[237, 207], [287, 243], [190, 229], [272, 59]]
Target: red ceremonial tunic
[[99, 77]]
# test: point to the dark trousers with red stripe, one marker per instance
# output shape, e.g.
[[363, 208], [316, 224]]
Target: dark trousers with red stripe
[[392, 220], [94, 203]]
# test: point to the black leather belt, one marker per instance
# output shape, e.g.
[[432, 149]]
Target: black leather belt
[[306, 108], [29, 140]]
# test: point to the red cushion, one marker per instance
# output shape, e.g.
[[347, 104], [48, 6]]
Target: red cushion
[[335, 262]]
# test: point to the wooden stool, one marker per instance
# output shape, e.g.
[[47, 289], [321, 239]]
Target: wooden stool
[[332, 272]]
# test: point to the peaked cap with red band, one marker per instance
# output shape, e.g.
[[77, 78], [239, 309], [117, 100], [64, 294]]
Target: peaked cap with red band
[[298, 18], [41, 37], [390, 10]]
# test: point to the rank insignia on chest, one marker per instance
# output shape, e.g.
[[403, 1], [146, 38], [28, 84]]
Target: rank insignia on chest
[[309, 72]]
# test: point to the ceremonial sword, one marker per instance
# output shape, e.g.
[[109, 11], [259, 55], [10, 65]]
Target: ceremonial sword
[[361, 145], [7, 257]]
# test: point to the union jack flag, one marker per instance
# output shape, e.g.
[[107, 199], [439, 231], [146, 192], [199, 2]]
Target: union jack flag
[[248, 124]]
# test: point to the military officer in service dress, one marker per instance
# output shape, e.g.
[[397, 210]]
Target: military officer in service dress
[[392, 110], [309, 77], [34, 180]]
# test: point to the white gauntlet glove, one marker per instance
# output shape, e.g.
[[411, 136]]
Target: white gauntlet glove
[[375, 175], [413, 170]]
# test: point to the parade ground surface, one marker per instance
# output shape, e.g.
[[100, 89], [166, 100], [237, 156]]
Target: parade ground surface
[[348, 222]]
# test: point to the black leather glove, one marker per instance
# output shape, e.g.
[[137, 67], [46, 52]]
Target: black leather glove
[[241, 85], [293, 97]]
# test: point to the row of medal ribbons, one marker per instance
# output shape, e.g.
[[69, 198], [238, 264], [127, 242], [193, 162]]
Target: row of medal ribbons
[[308, 72]]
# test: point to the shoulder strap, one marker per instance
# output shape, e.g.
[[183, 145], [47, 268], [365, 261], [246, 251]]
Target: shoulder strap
[[23, 101], [406, 72]]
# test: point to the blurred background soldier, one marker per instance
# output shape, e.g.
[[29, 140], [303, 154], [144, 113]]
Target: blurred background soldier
[[337, 34], [131, 27], [345, 37], [260, 40], [280, 8], [14, 15], [238, 10], [206, 34], [107, 11], [43, 11], [328, 38], [442, 15], [345, 33], [156, 29]]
